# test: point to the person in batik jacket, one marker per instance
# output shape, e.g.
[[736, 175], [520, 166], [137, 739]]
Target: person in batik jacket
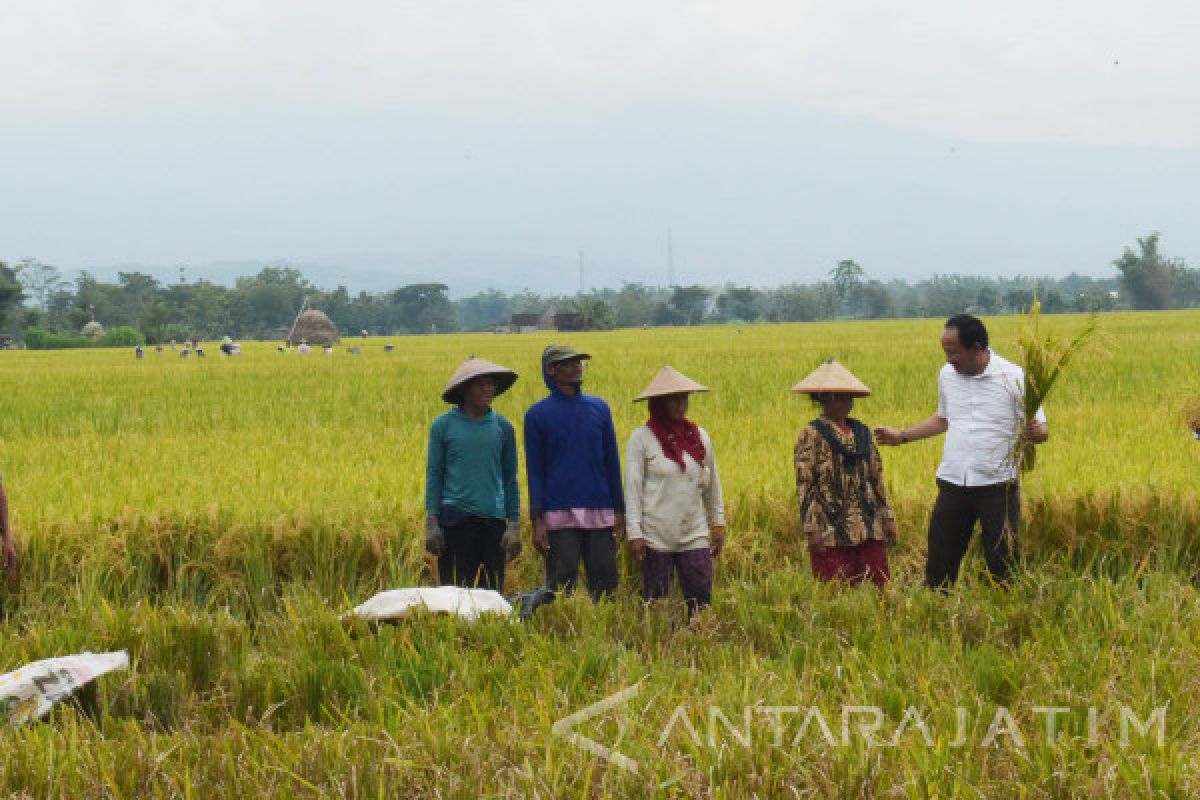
[[844, 507]]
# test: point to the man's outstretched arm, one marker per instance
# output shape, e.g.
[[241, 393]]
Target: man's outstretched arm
[[935, 425]]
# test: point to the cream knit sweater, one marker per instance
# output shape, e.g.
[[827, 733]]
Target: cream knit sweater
[[672, 509]]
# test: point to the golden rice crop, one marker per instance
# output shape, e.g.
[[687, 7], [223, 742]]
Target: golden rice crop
[[215, 517], [87, 436]]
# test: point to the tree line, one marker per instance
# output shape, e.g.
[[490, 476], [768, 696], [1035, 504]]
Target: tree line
[[39, 307]]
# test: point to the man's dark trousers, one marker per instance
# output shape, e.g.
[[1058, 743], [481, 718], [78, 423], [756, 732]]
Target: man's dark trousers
[[997, 508], [596, 547], [473, 555]]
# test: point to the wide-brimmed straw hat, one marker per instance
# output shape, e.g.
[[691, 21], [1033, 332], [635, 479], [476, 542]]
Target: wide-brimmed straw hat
[[670, 381], [832, 377], [474, 368]]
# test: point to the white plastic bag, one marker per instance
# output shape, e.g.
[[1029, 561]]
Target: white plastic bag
[[31, 691], [466, 603]]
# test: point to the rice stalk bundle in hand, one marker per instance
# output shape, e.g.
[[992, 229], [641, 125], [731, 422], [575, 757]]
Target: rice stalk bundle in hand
[[1044, 356]]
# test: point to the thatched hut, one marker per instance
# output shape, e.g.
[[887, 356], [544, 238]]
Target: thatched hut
[[316, 328]]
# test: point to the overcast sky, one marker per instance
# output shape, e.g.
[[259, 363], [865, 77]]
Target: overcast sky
[[447, 139]]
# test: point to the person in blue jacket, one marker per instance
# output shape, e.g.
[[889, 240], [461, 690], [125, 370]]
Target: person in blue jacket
[[472, 497], [576, 500]]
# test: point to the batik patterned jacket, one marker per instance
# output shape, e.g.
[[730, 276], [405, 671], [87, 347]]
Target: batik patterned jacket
[[843, 502]]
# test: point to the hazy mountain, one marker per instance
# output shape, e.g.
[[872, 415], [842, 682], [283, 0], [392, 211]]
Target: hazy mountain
[[465, 274]]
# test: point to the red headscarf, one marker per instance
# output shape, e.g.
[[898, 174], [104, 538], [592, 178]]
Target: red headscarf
[[676, 436]]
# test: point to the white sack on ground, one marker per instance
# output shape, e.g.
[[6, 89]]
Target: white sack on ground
[[466, 603], [31, 691]]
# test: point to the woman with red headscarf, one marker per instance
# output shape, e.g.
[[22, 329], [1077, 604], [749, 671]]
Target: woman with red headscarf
[[675, 517]]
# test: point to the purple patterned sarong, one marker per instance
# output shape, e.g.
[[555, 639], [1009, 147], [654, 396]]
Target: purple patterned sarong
[[695, 571]]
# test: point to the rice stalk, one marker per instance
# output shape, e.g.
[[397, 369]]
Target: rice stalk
[[1044, 356]]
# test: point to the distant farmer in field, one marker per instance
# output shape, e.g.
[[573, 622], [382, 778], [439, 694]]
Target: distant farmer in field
[[980, 402], [675, 515], [576, 503], [472, 499], [839, 482]]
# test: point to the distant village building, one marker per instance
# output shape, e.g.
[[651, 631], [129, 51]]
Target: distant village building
[[526, 323], [552, 320], [7, 342], [564, 321]]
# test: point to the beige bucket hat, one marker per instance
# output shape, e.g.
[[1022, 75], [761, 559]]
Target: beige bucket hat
[[670, 381], [832, 377], [474, 368]]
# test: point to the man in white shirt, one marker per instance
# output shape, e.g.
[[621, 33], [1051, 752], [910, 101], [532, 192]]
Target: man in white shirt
[[981, 411]]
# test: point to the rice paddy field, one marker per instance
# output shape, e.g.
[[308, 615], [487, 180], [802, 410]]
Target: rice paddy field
[[215, 517]]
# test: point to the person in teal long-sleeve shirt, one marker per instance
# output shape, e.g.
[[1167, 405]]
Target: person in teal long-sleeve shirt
[[472, 498]]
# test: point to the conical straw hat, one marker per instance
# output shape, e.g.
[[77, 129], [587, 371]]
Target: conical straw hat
[[669, 381], [473, 368], [832, 377]]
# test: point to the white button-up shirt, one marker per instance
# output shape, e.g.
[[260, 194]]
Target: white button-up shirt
[[984, 414]]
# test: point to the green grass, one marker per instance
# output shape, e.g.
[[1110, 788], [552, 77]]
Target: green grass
[[216, 518]]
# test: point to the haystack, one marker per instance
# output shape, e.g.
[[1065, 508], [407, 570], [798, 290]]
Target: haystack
[[316, 328], [93, 330]]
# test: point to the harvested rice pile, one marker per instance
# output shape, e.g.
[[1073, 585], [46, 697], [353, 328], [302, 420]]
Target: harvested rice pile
[[316, 328]]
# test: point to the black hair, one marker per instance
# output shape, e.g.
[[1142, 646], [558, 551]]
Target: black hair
[[971, 332]]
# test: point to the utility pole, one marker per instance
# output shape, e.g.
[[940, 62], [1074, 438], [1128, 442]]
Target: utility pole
[[670, 260], [581, 273]]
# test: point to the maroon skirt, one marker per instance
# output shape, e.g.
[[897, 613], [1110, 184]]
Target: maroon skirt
[[864, 562]]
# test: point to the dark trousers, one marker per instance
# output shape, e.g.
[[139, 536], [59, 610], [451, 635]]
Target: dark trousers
[[473, 555], [695, 571], [997, 508], [863, 562], [596, 547]]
